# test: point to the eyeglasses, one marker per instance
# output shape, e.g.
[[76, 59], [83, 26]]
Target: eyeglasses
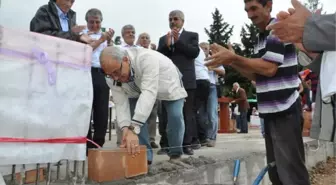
[[173, 19], [115, 73], [94, 22], [145, 37]]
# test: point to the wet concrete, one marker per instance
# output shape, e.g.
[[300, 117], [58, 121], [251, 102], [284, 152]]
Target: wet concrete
[[213, 165]]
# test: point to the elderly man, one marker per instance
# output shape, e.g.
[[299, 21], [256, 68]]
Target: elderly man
[[128, 35], [144, 41], [212, 103], [57, 19], [148, 75], [101, 91], [243, 106], [275, 73], [182, 48]]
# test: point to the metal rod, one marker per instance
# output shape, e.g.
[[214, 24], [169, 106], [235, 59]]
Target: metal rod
[[74, 178], [13, 174], [49, 173], [58, 170], [37, 174], [67, 170], [83, 173]]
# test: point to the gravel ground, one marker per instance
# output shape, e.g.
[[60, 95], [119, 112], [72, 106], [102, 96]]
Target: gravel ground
[[324, 173]]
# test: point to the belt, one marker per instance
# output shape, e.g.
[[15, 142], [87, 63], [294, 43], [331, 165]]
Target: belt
[[97, 69]]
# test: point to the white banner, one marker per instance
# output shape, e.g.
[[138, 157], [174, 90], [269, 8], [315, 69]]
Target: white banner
[[45, 96]]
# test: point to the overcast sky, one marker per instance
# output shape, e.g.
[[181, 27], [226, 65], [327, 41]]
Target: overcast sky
[[147, 15]]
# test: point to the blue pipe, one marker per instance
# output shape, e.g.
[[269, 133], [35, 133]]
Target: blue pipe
[[262, 173], [236, 170]]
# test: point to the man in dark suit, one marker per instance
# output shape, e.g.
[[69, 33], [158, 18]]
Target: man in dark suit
[[58, 20], [243, 106], [181, 47]]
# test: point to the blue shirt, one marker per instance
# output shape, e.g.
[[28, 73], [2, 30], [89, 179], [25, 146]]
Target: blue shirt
[[63, 19]]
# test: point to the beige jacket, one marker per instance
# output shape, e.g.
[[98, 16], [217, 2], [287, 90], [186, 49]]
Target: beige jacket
[[155, 77]]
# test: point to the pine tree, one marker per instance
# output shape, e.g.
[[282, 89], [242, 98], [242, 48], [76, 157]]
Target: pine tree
[[117, 40], [220, 31], [313, 5], [249, 38]]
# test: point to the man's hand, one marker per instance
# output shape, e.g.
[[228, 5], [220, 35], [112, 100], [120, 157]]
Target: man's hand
[[107, 35], [86, 38], [130, 141], [289, 28], [176, 33], [168, 39], [78, 29], [220, 56]]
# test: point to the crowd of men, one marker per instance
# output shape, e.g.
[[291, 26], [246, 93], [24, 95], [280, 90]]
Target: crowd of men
[[175, 81]]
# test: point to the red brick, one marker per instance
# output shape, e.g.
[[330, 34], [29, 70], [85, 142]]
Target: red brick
[[30, 176], [106, 165]]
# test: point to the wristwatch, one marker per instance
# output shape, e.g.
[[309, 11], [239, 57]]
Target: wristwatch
[[134, 128]]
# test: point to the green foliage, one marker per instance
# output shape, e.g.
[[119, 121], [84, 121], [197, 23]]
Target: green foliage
[[313, 5], [220, 31], [117, 40]]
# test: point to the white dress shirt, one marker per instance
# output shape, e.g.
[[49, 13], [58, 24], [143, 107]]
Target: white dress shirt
[[202, 72], [213, 76], [96, 53]]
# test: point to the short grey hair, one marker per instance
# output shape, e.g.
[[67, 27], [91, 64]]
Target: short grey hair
[[177, 13], [94, 12], [116, 52], [204, 44], [236, 84], [127, 27]]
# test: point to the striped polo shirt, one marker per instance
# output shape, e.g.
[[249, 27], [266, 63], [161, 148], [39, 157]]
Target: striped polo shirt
[[276, 94]]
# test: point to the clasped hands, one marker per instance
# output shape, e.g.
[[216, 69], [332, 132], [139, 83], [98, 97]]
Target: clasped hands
[[175, 33], [220, 56], [130, 141], [87, 39]]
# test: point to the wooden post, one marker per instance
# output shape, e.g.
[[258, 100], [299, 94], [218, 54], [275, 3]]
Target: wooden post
[[224, 115]]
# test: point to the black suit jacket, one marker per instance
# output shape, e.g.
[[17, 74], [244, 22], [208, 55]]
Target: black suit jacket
[[183, 54], [46, 21]]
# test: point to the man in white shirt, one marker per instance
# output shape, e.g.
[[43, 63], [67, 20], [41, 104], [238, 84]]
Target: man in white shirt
[[146, 75], [201, 99], [212, 105], [101, 91], [144, 41]]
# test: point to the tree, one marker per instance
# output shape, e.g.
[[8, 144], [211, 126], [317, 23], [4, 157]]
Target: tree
[[313, 5], [117, 40], [220, 31], [248, 34]]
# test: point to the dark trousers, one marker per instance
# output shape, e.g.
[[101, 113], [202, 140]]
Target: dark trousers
[[241, 120], [162, 114], [284, 145], [189, 121], [189, 118], [201, 100], [101, 93]]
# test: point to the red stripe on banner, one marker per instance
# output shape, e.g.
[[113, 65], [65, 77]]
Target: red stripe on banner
[[74, 140]]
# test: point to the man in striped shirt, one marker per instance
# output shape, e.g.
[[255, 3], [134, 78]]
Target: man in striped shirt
[[275, 73]]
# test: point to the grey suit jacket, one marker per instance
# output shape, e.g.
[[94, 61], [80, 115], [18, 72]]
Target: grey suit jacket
[[323, 124], [319, 33]]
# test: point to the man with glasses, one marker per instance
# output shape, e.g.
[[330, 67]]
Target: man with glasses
[[182, 48], [101, 91], [146, 75]]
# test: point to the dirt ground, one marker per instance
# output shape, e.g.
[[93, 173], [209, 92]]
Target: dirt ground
[[324, 173]]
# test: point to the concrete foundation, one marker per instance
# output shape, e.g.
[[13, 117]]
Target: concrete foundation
[[211, 165]]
